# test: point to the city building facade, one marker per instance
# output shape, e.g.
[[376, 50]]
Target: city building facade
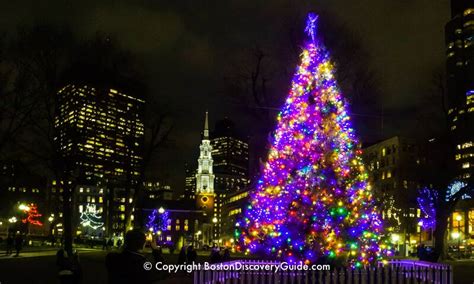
[[396, 167], [459, 35], [100, 135], [459, 39]]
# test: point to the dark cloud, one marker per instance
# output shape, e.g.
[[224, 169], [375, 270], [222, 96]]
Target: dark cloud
[[186, 47]]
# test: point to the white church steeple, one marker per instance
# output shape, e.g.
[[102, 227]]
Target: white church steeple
[[204, 175]]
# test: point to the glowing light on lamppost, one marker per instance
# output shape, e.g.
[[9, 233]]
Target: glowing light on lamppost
[[23, 207]]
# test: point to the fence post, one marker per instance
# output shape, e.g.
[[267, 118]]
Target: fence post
[[352, 276]]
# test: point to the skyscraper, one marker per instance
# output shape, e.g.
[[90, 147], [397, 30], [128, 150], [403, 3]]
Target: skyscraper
[[459, 34], [189, 183], [231, 157], [99, 133]]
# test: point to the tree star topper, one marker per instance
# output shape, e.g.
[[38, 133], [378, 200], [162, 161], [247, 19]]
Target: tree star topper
[[311, 25]]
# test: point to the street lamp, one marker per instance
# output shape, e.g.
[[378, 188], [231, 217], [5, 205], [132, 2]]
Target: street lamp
[[161, 210], [457, 236], [23, 207], [12, 219]]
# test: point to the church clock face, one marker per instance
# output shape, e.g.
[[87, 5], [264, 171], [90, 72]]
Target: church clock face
[[204, 199]]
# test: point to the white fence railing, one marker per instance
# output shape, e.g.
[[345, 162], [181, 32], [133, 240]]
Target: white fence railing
[[393, 272]]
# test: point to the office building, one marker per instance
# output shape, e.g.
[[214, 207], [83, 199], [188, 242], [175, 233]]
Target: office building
[[459, 35], [230, 153], [100, 135], [396, 169]]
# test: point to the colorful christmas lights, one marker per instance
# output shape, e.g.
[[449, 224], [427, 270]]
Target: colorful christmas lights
[[426, 200], [312, 202], [158, 220]]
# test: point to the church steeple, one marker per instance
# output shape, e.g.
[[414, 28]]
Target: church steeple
[[204, 174], [206, 127]]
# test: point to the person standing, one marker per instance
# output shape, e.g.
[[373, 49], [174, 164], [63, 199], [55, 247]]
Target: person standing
[[182, 255], [18, 243], [226, 255], [10, 242], [69, 268], [191, 255], [130, 265]]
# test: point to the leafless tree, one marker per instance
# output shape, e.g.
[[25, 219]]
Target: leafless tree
[[158, 126], [441, 169]]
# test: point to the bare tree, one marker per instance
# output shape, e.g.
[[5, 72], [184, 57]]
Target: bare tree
[[16, 106], [158, 126]]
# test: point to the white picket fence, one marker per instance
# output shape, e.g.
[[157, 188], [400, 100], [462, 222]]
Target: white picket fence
[[393, 272]]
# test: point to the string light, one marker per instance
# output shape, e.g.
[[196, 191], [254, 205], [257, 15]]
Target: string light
[[158, 220], [91, 218], [32, 215]]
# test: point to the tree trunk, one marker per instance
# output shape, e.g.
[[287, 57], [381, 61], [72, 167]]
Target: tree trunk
[[440, 234]]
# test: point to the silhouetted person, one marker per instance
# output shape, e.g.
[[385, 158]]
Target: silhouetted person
[[158, 255], [104, 244], [69, 268], [110, 243], [9, 243], [226, 255], [128, 266], [172, 249], [18, 244], [182, 255], [215, 257], [119, 243], [191, 254]]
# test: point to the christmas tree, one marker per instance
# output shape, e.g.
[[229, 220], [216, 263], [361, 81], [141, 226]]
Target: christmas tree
[[312, 202], [91, 218]]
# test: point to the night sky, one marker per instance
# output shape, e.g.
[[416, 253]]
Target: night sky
[[187, 49]]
